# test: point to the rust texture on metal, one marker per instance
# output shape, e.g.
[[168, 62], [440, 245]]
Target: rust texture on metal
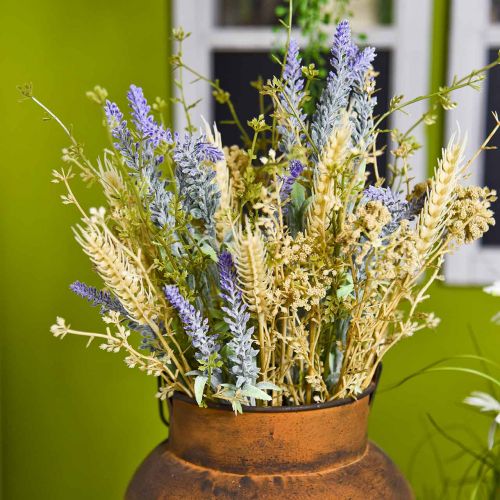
[[318, 453]]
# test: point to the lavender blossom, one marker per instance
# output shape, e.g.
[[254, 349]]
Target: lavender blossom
[[206, 151], [295, 169], [110, 303], [291, 98], [98, 298], [144, 122], [195, 180], [349, 68], [120, 132], [195, 327], [242, 357], [160, 198], [141, 158], [363, 105]]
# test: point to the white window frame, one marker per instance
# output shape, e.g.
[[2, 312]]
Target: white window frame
[[408, 38], [472, 34]]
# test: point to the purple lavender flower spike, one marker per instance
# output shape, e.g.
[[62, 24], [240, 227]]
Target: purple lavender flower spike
[[345, 81], [343, 49], [291, 98], [199, 194], [98, 297], [208, 152], [195, 327], [140, 108], [110, 303], [143, 120], [227, 275], [113, 114], [296, 168], [124, 143], [242, 353]]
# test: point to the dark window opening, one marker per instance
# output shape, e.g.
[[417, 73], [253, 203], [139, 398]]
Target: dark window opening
[[236, 70], [247, 12], [492, 156]]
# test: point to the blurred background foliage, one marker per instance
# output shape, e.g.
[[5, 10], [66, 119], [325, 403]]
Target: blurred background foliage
[[75, 422]]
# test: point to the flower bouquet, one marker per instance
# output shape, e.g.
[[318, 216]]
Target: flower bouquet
[[277, 272]]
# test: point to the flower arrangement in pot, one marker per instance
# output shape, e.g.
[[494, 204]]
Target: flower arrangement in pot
[[268, 280]]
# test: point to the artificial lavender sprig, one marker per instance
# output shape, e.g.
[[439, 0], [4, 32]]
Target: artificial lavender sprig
[[242, 353], [159, 197], [363, 105], [196, 180], [120, 132], [349, 65], [108, 302], [142, 159], [195, 327], [296, 167], [206, 151], [291, 98], [98, 298], [144, 122]]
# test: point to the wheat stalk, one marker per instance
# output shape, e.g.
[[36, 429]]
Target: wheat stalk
[[223, 181], [250, 256], [117, 271], [435, 211], [324, 196], [253, 276]]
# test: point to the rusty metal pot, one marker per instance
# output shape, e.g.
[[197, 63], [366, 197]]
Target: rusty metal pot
[[318, 451]]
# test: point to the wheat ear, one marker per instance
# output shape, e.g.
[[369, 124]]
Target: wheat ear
[[117, 271], [324, 199], [223, 182], [250, 253], [435, 211]]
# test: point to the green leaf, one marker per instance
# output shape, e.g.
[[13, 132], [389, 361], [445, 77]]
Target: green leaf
[[207, 250], [237, 407], [254, 392], [298, 194], [432, 367], [344, 291], [199, 386], [269, 386]]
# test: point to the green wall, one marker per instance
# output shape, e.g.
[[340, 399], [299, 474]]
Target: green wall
[[76, 422]]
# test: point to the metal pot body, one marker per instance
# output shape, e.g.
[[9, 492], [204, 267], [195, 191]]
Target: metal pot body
[[316, 452]]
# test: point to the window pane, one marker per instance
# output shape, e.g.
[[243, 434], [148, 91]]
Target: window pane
[[262, 12], [236, 70], [368, 13], [495, 11], [492, 156], [247, 12]]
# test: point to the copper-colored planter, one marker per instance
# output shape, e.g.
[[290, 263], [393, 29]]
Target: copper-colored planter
[[318, 451]]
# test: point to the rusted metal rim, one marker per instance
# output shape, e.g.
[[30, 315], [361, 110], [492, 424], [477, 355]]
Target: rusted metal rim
[[280, 409], [369, 392]]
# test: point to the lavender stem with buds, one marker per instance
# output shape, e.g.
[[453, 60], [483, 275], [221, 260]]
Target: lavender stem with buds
[[242, 354], [196, 328]]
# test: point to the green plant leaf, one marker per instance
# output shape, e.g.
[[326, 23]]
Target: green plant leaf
[[254, 392], [199, 386], [207, 250], [298, 194], [269, 386], [432, 367]]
